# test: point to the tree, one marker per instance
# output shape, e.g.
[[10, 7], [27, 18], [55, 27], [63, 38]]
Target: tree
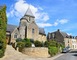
[[3, 25]]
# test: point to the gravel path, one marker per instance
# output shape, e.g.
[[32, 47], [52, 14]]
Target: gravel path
[[12, 54]]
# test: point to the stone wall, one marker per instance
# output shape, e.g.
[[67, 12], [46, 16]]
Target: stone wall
[[31, 35], [42, 38], [13, 39], [36, 52]]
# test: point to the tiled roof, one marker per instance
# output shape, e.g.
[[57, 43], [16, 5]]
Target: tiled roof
[[29, 12], [41, 31], [11, 28], [64, 34]]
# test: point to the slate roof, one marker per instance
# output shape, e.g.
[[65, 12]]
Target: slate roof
[[41, 31], [64, 34], [29, 12], [11, 28]]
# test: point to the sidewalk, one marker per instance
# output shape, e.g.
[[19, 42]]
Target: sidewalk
[[56, 56]]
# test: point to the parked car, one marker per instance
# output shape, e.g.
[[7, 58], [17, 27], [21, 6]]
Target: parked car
[[65, 50]]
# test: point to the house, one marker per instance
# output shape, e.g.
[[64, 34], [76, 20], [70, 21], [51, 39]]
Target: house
[[27, 29], [58, 35], [63, 38]]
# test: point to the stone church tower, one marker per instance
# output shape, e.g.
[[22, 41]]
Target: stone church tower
[[28, 27]]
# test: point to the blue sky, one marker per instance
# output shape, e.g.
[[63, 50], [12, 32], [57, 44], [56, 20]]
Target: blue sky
[[50, 14]]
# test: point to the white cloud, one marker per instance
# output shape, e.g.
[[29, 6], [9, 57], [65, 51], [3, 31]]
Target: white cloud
[[19, 9], [69, 33], [55, 24], [63, 21], [44, 24], [46, 17]]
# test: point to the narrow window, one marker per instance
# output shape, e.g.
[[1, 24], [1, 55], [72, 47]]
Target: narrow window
[[32, 30], [15, 36]]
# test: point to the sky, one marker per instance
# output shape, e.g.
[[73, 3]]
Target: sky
[[49, 14]]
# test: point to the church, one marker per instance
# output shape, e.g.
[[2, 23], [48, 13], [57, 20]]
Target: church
[[27, 29]]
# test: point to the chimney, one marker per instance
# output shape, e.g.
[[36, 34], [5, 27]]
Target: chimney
[[58, 30]]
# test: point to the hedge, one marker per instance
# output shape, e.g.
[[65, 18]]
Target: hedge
[[3, 24]]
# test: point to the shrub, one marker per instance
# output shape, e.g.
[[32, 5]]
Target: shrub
[[37, 43], [1, 53], [20, 45], [3, 24], [27, 42], [53, 50], [52, 43], [46, 43], [18, 39]]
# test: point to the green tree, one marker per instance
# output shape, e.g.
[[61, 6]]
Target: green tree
[[3, 24], [38, 43]]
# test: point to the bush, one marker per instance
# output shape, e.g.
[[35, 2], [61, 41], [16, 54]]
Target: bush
[[1, 53], [3, 24], [46, 43], [18, 39], [38, 43], [53, 51], [27, 42], [52, 43], [20, 45]]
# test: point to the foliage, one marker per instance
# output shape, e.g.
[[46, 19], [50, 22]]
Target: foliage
[[27, 42], [1, 53], [53, 47], [18, 39], [53, 50], [52, 43], [21, 44], [3, 24], [46, 43], [38, 43], [24, 41]]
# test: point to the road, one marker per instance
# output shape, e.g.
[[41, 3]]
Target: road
[[72, 55]]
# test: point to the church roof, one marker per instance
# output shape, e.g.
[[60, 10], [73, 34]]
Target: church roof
[[11, 28], [41, 31], [29, 12]]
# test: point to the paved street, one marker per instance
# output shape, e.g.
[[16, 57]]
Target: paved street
[[72, 55]]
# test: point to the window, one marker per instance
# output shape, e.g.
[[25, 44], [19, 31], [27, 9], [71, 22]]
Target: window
[[53, 35], [32, 30], [15, 36]]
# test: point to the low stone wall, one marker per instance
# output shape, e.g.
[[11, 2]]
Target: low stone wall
[[36, 52]]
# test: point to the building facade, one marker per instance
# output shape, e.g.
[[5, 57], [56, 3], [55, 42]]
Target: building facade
[[27, 29], [63, 38]]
